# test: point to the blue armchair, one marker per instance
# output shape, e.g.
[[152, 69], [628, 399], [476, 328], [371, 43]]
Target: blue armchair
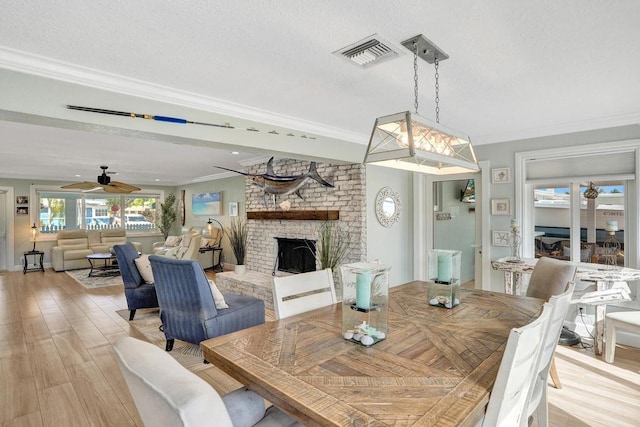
[[187, 308], [138, 293]]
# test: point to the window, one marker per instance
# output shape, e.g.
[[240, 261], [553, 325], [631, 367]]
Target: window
[[562, 176], [603, 207], [61, 210]]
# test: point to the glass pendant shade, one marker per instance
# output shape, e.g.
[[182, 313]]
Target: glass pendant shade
[[408, 141]]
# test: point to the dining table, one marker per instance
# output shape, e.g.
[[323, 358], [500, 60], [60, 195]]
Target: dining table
[[436, 366], [603, 276]]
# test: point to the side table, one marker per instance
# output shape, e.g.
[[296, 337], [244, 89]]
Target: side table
[[214, 266], [38, 256]]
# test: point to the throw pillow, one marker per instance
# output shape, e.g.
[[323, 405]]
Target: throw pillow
[[144, 268], [172, 241], [218, 298]]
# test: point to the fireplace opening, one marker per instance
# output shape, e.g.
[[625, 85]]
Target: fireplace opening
[[295, 255]]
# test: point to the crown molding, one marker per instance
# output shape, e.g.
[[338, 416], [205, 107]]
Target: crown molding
[[41, 66]]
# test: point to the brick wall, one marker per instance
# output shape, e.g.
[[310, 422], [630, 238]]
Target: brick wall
[[348, 197]]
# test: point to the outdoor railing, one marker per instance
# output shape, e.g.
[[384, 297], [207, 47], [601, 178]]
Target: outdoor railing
[[53, 229]]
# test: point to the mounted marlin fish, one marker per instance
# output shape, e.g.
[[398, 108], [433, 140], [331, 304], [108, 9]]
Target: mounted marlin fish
[[279, 185]]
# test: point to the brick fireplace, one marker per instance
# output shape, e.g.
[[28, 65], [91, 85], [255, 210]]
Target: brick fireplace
[[348, 198]]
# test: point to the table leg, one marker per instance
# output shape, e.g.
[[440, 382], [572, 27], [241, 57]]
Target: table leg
[[91, 264], [601, 311], [517, 281], [508, 283]]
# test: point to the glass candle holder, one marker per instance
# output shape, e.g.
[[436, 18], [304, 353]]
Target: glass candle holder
[[365, 305], [443, 277]]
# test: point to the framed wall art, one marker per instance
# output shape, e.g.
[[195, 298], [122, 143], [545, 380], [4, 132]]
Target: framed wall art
[[22, 210], [500, 238], [206, 203], [22, 200], [500, 207], [500, 175], [233, 208]]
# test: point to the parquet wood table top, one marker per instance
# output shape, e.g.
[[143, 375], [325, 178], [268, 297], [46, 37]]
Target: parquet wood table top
[[436, 367]]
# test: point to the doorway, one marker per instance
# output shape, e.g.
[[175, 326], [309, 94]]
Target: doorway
[[454, 222], [425, 217], [6, 228]]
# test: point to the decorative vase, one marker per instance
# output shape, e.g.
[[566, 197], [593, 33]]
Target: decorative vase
[[240, 269], [365, 302], [443, 277]]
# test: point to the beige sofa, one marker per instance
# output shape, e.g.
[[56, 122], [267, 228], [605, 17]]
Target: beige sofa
[[110, 237], [207, 239], [73, 246], [71, 250], [187, 249]]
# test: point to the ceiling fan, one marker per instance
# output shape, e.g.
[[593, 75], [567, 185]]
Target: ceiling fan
[[104, 183]]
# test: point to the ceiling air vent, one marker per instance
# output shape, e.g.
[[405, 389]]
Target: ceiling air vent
[[368, 52]]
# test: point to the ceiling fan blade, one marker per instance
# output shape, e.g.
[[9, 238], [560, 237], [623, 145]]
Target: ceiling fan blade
[[86, 185], [104, 183], [129, 188], [115, 190]]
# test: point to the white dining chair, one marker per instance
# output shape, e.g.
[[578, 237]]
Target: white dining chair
[[508, 399], [537, 400], [168, 394], [550, 277], [303, 292]]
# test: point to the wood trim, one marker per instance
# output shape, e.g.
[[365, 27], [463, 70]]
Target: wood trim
[[295, 215]]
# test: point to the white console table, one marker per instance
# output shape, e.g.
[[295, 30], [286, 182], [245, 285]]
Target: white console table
[[604, 277]]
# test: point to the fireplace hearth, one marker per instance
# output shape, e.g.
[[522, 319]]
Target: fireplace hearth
[[295, 255]]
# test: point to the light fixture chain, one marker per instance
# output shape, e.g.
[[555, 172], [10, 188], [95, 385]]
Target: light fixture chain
[[437, 63], [415, 75]]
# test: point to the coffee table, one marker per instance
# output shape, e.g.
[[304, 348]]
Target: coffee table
[[108, 267]]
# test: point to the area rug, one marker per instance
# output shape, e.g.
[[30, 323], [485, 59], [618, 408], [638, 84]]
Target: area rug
[[82, 277], [147, 323]]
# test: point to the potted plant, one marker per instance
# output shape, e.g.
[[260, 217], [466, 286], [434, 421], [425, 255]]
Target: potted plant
[[237, 234], [332, 245], [167, 215]]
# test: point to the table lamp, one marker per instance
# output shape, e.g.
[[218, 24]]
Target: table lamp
[[33, 235]]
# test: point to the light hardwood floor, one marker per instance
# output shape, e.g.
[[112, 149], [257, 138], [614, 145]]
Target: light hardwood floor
[[57, 367]]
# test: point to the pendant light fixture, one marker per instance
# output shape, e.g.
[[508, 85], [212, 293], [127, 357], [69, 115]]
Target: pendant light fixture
[[408, 141]]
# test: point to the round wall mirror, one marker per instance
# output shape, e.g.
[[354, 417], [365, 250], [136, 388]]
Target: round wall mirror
[[388, 207]]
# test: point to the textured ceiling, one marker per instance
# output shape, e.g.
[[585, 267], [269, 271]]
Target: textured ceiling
[[516, 70]]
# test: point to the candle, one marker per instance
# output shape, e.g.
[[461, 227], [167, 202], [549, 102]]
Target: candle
[[444, 268], [612, 226], [515, 223], [363, 289]]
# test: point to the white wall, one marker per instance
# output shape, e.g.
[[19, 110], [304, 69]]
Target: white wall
[[394, 245]]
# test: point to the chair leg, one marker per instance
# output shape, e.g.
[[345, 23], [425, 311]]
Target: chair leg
[[169, 345], [131, 314], [542, 412], [554, 374]]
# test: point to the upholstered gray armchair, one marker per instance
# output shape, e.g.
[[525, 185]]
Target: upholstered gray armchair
[[138, 293], [187, 308]]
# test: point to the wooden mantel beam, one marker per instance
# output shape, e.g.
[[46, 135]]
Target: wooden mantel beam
[[295, 215]]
